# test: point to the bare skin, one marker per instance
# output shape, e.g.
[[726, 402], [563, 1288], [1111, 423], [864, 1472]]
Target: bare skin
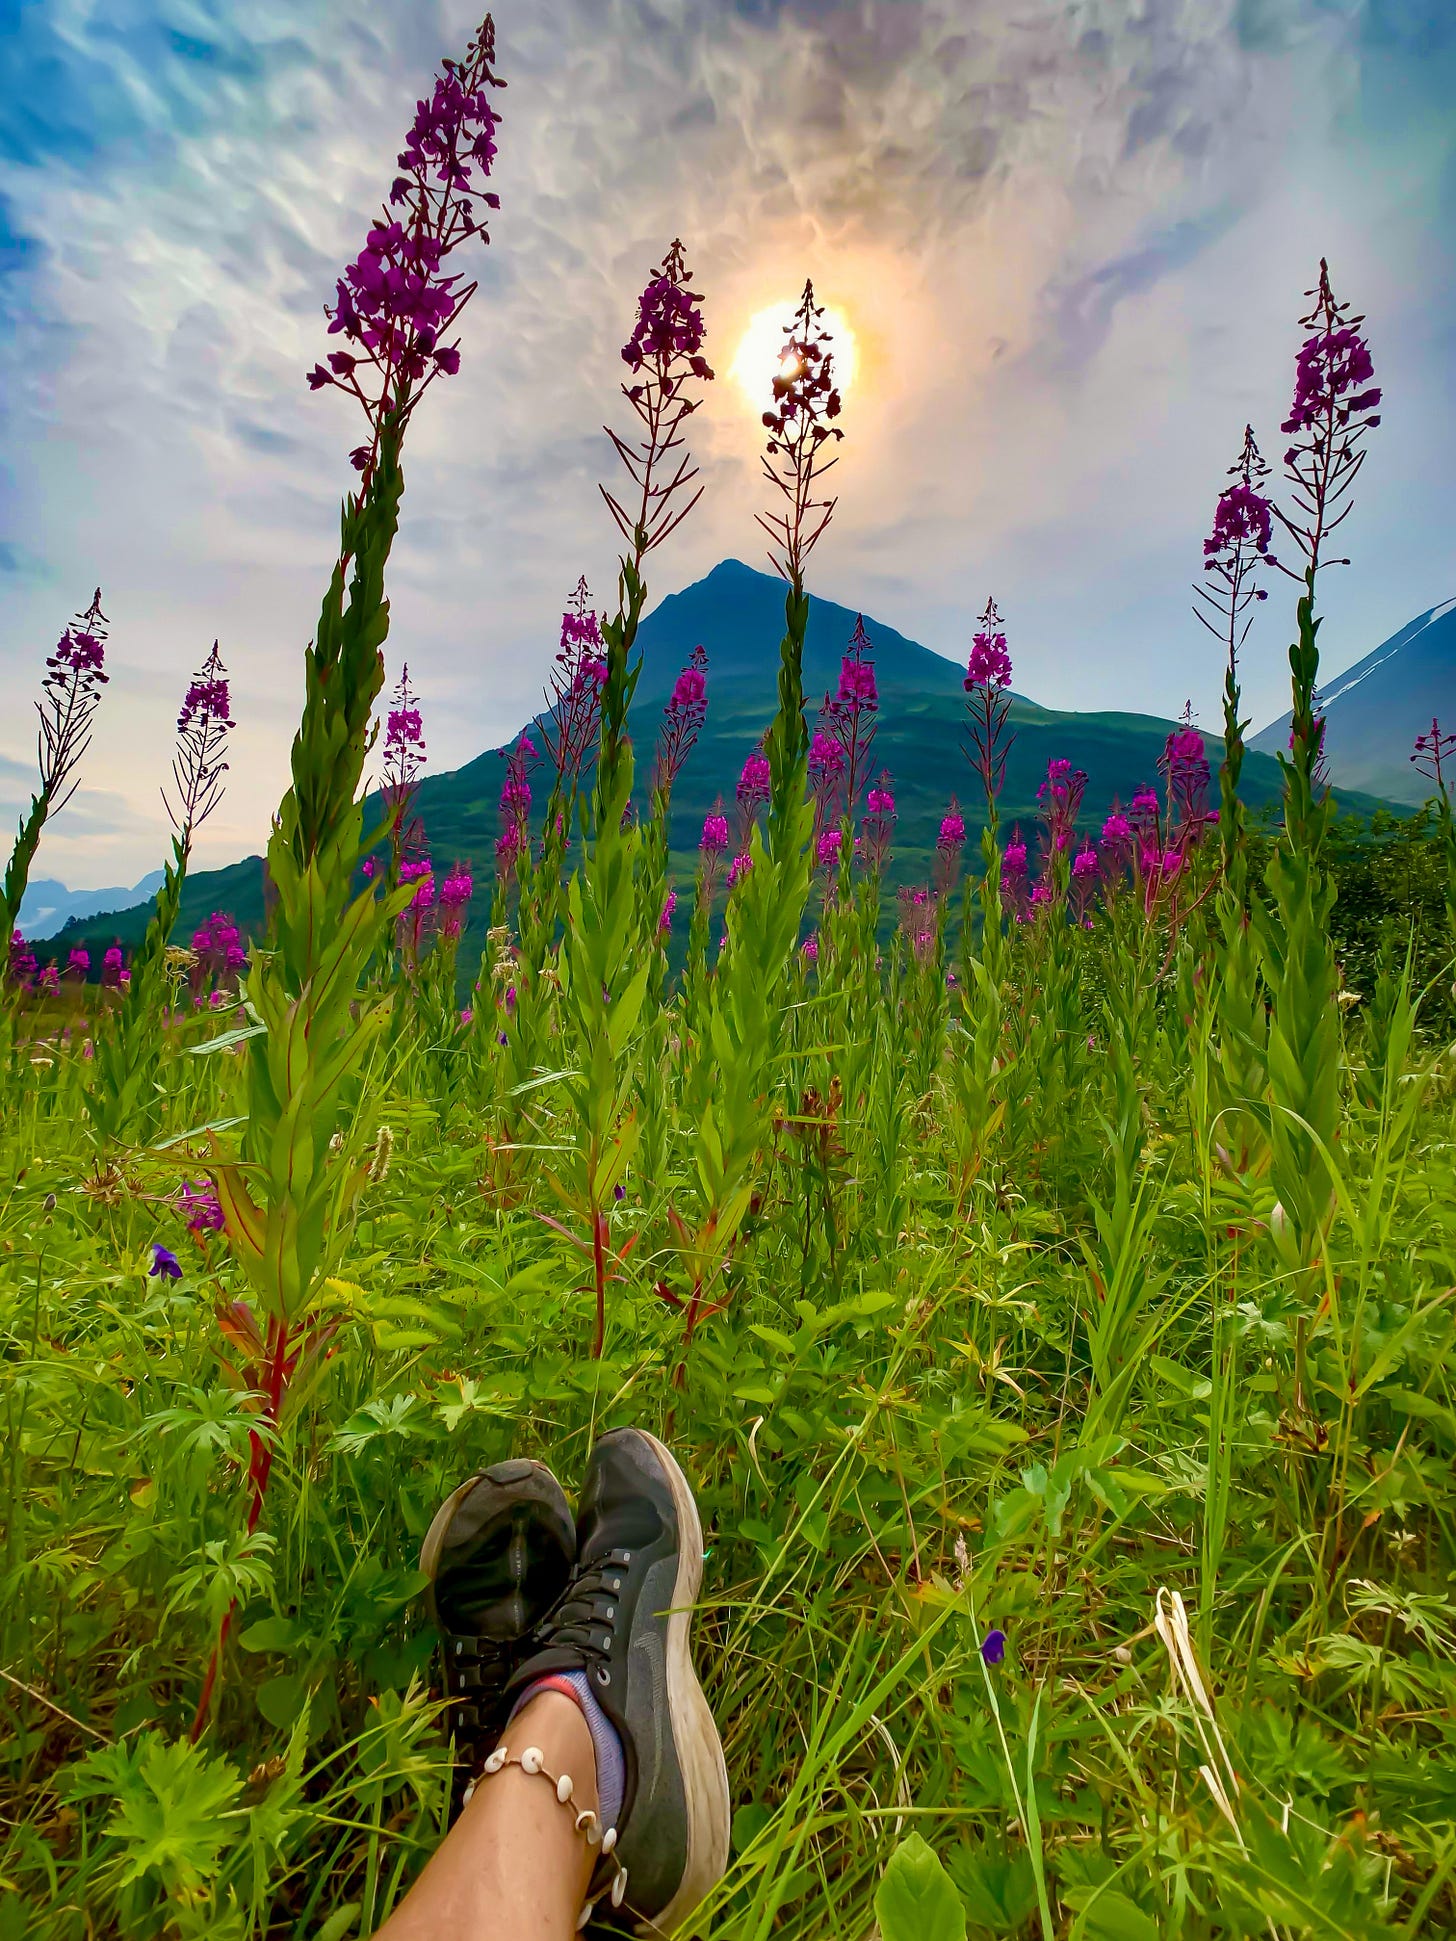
[[513, 1867]]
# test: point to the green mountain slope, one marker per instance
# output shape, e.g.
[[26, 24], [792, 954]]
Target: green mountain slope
[[736, 613]]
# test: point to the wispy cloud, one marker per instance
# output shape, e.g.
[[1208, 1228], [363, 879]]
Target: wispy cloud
[[1073, 242]]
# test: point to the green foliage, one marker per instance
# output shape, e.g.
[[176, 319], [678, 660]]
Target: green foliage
[[916, 1900]]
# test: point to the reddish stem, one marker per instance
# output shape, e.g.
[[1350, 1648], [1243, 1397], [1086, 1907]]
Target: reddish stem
[[599, 1268], [260, 1468]]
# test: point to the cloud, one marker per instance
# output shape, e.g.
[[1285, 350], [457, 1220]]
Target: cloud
[[1073, 254]]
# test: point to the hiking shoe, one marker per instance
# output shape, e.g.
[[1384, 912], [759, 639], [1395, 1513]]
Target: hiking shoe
[[498, 1556], [624, 1621]]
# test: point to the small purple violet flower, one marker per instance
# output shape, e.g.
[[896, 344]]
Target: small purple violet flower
[[165, 1264], [993, 1646]]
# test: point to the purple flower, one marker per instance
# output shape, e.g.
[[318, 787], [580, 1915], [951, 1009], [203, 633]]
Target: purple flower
[[810, 949], [79, 961], [683, 720], [1084, 863], [989, 664], [857, 687], [738, 869], [993, 1646], [755, 783], [715, 835], [200, 1207], [50, 978], [206, 700], [952, 831], [1144, 804], [880, 801], [831, 844], [1186, 766], [690, 689], [664, 922], [826, 762], [420, 872], [1013, 862], [367, 870], [395, 301], [457, 888], [165, 1264], [669, 325], [1241, 517], [1116, 830], [22, 959]]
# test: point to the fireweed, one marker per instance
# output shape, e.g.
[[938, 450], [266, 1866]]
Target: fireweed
[[614, 900], [70, 690], [123, 1100], [288, 1195]]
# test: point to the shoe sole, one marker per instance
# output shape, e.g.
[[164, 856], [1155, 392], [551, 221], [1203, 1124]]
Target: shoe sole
[[506, 1479], [695, 1735]]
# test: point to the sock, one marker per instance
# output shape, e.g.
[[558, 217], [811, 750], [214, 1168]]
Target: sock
[[606, 1745]]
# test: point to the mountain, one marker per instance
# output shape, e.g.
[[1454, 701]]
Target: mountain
[[49, 905], [1375, 709], [737, 614]]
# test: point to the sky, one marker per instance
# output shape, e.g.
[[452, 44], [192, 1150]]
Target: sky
[[1071, 237]]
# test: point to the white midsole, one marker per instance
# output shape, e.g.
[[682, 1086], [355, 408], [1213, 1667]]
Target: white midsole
[[699, 1748]]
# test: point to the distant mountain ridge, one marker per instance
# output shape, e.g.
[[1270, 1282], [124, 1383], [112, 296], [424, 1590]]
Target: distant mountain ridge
[[48, 905], [1375, 709], [737, 614]]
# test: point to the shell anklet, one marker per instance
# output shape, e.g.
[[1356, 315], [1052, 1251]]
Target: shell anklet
[[587, 1824]]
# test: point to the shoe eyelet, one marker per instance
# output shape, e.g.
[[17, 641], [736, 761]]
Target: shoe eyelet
[[604, 1677]]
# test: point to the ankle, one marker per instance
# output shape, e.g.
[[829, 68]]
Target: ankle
[[553, 1722]]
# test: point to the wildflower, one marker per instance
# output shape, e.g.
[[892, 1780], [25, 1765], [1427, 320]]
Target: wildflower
[[714, 839], [1116, 831], [831, 843], [826, 764], [663, 353], [1084, 863], [993, 1646], [1186, 767], [455, 894], [1334, 406], [879, 801], [79, 961], [738, 869], [754, 783], [395, 301], [50, 978], [805, 402], [200, 1207], [1432, 753], [111, 965], [165, 1264], [420, 872], [467, 1015], [1144, 805], [21, 966], [988, 684], [989, 664], [809, 949], [1242, 517], [368, 868], [857, 687], [574, 691], [664, 922], [683, 718], [71, 688], [379, 1162], [1013, 862], [952, 831]]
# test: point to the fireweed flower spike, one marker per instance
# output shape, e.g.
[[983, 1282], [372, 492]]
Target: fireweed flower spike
[[805, 402], [663, 353], [850, 715], [288, 1205], [396, 303], [1233, 556], [70, 690], [574, 693], [988, 701], [682, 722], [404, 762], [879, 823]]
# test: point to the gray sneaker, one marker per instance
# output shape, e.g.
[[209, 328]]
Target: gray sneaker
[[498, 1555], [624, 1619]]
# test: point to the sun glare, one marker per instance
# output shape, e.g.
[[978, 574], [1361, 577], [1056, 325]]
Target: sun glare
[[758, 358]]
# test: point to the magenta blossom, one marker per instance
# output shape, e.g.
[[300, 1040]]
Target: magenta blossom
[[738, 869], [1116, 830], [755, 783], [989, 664], [664, 922], [79, 961], [715, 835], [810, 950], [200, 1207], [830, 848], [880, 801], [857, 687], [22, 963], [952, 830], [682, 720], [1242, 517], [1013, 862]]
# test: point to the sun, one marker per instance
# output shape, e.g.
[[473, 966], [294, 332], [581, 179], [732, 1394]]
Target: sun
[[758, 359]]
